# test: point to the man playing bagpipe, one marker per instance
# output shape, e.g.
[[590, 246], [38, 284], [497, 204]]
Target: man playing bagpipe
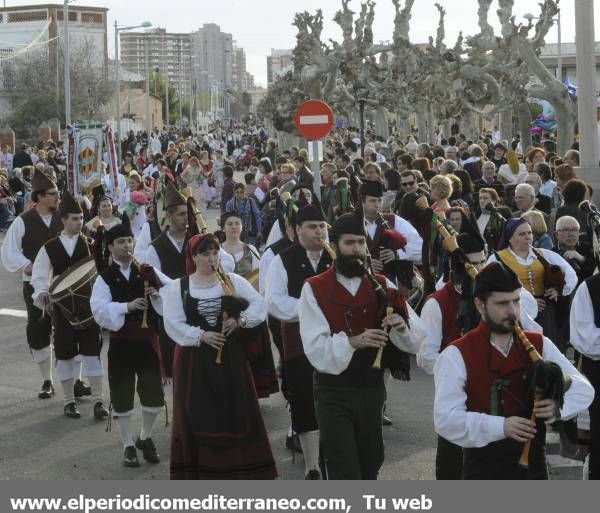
[[345, 314], [585, 338], [287, 274], [497, 387], [120, 304], [70, 343]]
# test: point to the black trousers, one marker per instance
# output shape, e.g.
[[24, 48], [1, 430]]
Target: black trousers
[[69, 342], [448, 460], [591, 370], [128, 359], [299, 382], [350, 430], [38, 329]]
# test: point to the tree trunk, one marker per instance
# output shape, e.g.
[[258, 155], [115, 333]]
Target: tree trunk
[[565, 128], [382, 127], [506, 124], [430, 125], [525, 125], [421, 112]]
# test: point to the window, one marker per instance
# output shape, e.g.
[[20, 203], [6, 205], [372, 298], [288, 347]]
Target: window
[[27, 16], [60, 15], [91, 18]]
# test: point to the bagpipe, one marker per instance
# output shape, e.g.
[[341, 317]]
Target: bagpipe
[[593, 226]]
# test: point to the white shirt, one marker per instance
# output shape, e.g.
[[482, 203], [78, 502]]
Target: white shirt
[[471, 429], [110, 314], [174, 315], [281, 305], [431, 316], [553, 259], [11, 253], [505, 175], [414, 242], [274, 234], [585, 335], [42, 273], [482, 221], [142, 242], [331, 354]]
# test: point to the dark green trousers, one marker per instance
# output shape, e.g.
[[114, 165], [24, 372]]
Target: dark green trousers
[[350, 433]]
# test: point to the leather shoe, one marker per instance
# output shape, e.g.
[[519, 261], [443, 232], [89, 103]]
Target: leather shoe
[[293, 444], [386, 421], [47, 390], [313, 475], [80, 389], [72, 411], [100, 411], [148, 450], [130, 458]]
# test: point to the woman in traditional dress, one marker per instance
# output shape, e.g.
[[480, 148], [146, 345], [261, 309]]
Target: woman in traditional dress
[[489, 221], [544, 273], [193, 178], [218, 431], [208, 181], [102, 213], [258, 342]]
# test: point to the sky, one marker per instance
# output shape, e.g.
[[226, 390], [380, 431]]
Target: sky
[[259, 25]]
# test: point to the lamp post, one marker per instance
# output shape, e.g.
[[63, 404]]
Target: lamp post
[[118, 83], [361, 95], [67, 60], [530, 17]]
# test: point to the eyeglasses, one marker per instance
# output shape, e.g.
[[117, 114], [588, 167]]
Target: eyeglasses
[[55, 193], [569, 230], [407, 184]]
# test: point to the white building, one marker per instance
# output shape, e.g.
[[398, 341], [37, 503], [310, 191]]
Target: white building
[[278, 63], [27, 28], [549, 56]]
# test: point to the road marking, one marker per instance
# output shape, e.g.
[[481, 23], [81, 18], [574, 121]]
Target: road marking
[[14, 313], [314, 120]]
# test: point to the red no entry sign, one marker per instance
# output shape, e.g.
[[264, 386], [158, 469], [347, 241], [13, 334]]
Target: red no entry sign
[[314, 119]]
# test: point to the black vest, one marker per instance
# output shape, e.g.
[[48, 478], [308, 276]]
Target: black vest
[[593, 285], [125, 291], [60, 259], [299, 269], [172, 262], [37, 233], [280, 245]]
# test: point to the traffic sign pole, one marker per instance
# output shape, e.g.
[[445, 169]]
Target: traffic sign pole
[[316, 170]]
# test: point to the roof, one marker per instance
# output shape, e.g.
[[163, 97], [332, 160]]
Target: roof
[[37, 7]]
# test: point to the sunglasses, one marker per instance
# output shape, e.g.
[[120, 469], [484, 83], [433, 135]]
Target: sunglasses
[[407, 184]]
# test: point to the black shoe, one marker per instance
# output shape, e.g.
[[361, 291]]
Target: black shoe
[[80, 389], [130, 458], [100, 411], [148, 450], [293, 444], [47, 390], [313, 475], [386, 421], [72, 411]]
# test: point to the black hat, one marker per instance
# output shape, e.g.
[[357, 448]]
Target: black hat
[[69, 205], [173, 197], [350, 223], [120, 230], [469, 243], [309, 213], [98, 194], [496, 277], [371, 188], [41, 182]]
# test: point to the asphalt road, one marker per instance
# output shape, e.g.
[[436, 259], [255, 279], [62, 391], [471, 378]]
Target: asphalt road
[[38, 442]]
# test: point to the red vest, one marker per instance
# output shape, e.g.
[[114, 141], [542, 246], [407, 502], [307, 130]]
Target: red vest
[[449, 300], [490, 374], [352, 315]]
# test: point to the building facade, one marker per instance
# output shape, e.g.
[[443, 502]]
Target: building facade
[[28, 28], [278, 63]]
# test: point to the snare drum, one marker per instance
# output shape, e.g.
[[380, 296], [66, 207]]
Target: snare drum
[[72, 290]]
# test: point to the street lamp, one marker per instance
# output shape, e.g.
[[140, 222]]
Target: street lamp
[[529, 17], [361, 95], [118, 29], [67, 59]]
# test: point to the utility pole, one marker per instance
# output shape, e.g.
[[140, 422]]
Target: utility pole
[[148, 120], [67, 70]]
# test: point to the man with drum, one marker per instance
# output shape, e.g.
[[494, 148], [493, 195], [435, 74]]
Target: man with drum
[[53, 259], [26, 235]]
